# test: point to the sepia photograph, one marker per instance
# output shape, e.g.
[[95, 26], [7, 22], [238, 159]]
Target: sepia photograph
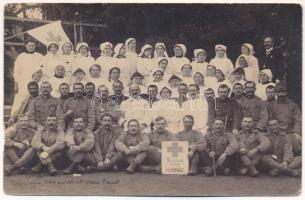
[[151, 99]]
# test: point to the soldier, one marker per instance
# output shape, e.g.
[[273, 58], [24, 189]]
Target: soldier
[[196, 141], [270, 93], [238, 92], [118, 95], [49, 142], [209, 94], [79, 141], [288, 115], [226, 109], [89, 90], [279, 157], [152, 95], [64, 94], [156, 138], [222, 146], [252, 145], [18, 149], [79, 106], [33, 89], [252, 105], [105, 137], [43, 106], [182, 91], [103, 104], [132, 146]]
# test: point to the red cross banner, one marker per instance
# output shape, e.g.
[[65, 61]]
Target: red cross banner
[[174, 157], [52, 32]]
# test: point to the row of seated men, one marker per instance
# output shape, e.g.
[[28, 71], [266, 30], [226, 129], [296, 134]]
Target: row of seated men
[[110, 148]]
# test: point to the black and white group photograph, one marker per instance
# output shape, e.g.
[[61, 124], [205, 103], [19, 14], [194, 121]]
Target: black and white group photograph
[[151, 99]]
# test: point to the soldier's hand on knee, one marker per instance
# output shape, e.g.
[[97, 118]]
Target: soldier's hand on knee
[[19, 145], [212, 154], [190, 154], [107, 161], [243, 151], [252, 152], [221, 159], [100, 164], [26, 143], [284, 165]]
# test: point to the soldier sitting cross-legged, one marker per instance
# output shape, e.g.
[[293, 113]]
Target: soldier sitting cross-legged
[[18, 149], [48, 141], [222, 146], [279, 158], [132, 146]]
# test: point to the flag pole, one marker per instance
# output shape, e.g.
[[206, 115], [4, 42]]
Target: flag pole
[[15, 35]]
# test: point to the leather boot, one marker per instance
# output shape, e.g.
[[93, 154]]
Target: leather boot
[[52, 169], [70, 168]]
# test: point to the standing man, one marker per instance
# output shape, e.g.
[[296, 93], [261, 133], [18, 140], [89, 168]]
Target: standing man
[[182, 91], [25, 65], [132, 146], [43, 106], [80, 141], [89, 90], [79, 106], [288, 115], [252, 145], [279, 158], [226, 109], [253, 106], [154, 150], [135, 107], [33, 89], [273, 59], [118, 95], [196, 142], [17, 147], [238, 92], [49, 142], [151, 96]]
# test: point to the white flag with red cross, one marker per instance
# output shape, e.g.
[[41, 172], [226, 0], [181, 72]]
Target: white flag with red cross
[[52, 32]]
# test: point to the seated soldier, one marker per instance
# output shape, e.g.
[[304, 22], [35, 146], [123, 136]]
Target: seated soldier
[[105, 137], [17, 148], [196, 141], [80, 141], [279, 157], [48, 141], [156, 138], [252, 145], [221, 146], [132, 146]]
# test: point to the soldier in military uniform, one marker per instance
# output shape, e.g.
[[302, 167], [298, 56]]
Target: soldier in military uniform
[[17, 147], [118, 95], [252, 145], [289, 116], [196, 141], [132, 146], [222, 146], [279, 158], [79, 106], [105, 136], [43, 106], [48, 141], [156, 138], [79, 141], [226, 109], [33, 89], [89, 90], [253, 106]]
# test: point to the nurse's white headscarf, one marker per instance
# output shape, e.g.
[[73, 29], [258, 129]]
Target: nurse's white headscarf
[[250, 47], [80, 45], [117, 49], [163, 45], [128, 41], [183, 47], [197, 51], [267, 72], [103, 45], [61, 46], [144, 48], [49, 44], [221, 46]]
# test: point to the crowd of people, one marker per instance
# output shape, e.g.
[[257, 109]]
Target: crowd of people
[[101, 114]]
